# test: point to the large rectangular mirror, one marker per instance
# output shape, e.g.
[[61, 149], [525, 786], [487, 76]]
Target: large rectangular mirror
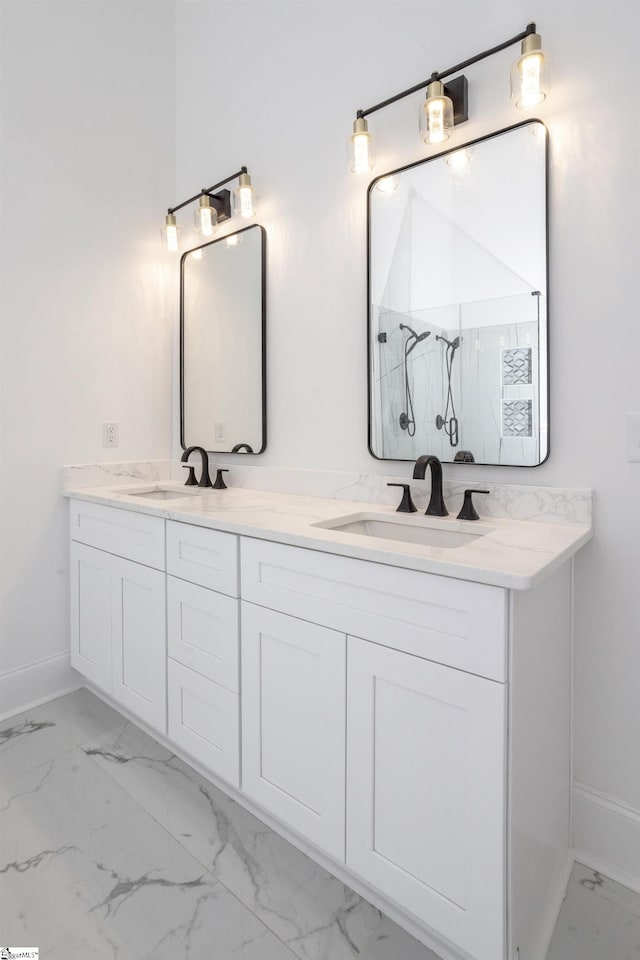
[[222, 344], [457, 324]]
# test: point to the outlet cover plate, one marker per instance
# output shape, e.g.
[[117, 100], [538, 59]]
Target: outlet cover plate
[[110, 436]]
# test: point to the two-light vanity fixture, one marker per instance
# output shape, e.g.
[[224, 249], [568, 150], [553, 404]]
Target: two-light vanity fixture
[[212, 208], [446, 104]]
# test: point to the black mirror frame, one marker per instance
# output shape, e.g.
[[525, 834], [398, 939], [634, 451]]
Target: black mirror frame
[[263, 294], [417, 163]]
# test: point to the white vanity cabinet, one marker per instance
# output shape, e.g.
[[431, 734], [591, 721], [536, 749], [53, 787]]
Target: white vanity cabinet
[[118, 619], [410, 731]]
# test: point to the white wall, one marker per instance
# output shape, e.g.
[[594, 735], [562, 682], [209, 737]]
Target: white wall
[[275, 86], [87, 172]]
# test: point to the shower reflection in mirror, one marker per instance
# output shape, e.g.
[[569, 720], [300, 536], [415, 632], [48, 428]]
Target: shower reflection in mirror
[[407, 419], [457, 305], [449, 422], [469, 379]]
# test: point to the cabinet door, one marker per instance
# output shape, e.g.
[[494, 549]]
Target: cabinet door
[[426, 792], [293, 723], [91, 614], [139, 641]]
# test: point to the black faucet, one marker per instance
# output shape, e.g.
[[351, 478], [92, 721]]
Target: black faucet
[[436, 506], [205, 479]]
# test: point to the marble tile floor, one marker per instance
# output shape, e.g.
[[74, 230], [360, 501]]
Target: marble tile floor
[[111, 848]]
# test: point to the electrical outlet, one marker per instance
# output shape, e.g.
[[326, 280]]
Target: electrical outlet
[[633, 437], [110, 434], [220, 430]]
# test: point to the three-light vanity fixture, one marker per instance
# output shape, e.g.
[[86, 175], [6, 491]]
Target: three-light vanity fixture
[[212, 208], [446, 104]]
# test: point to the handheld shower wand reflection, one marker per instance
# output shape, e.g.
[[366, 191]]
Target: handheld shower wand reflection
[[407, 420], [449, 422]]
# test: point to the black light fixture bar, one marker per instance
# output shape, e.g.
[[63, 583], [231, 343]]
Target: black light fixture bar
[[531, 28], [225, 202]]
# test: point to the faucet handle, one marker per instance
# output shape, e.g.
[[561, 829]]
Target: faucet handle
[[406, 504], [468, 511], [191, 479], [219, 483]]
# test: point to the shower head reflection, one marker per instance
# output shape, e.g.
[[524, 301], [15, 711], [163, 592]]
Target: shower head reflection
[[417, 337]]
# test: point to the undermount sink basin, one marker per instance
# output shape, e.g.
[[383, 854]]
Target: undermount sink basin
[[158, 493], [426, 531]]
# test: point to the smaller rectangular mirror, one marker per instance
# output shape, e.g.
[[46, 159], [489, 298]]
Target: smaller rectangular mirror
[[457, 255], [222, 344]]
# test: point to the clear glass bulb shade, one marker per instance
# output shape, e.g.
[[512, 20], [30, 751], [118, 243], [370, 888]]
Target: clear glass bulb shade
[[530, 79], [206, 220], [436, 119], [361, 152], [243, 201], [169, 235]]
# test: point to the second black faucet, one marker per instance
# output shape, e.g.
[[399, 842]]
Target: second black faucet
[[205, 479], [437, 507]]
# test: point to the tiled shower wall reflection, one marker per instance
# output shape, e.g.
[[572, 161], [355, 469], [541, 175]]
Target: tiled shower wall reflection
[[494, 382], [493, 407]]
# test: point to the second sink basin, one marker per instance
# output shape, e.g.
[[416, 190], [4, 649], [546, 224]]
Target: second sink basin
[[158, 493], [427, 531]]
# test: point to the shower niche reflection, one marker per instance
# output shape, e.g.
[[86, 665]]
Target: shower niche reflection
[[458, 304]]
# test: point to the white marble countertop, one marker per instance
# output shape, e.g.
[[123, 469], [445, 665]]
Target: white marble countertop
[[516, 554]]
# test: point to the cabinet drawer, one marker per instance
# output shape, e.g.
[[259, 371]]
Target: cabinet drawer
[[203, 631], [133, 536], [454, 622], [204, 719], [203, 556]]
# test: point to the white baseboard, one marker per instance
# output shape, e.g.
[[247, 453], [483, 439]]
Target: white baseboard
[[36, 683], [606, 835]]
